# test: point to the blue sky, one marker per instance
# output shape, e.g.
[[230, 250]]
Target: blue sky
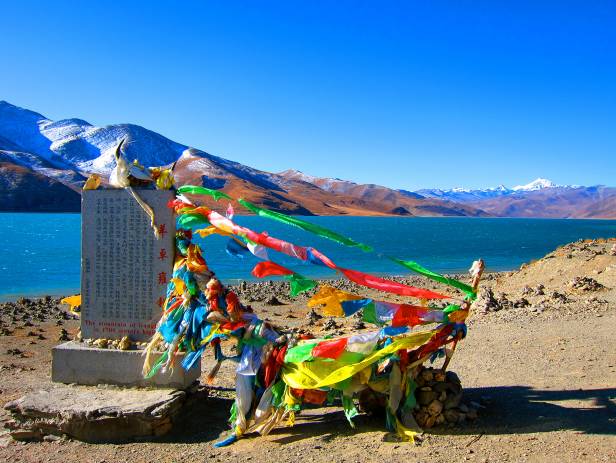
[[408, 94]]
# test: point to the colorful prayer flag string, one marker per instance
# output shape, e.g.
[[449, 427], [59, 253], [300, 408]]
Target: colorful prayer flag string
[[279, 373]]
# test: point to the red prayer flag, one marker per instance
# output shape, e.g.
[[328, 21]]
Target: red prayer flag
[[389, 286], [330, 349], [268, 268], [408, 315]]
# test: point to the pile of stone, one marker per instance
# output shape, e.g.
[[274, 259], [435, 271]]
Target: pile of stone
[[313, 316], [559, 297], [439, 399], [537, 291], [585, 284], [26, 312], [331, 324], [120, 344], [488, 302]]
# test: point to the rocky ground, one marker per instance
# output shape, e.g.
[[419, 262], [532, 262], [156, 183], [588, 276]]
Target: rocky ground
[[538, 368]]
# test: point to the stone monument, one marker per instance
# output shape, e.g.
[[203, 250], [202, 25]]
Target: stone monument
[[125, 269]]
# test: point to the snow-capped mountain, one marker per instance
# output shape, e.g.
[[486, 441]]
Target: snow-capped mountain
[[464, 194], [539, 198], [538, 184], [469, 195], [78, 145], [66, 151], [43, 164]]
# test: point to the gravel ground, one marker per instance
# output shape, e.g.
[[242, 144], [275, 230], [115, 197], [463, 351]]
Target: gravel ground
[[539, 358]]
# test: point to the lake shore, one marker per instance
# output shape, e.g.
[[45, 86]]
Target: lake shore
[[537, 357]]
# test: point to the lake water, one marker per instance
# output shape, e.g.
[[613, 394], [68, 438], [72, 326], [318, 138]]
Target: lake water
[[41, 252]]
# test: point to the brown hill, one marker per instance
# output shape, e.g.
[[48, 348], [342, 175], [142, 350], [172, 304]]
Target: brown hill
[[293, 194], [22, 189], [566, 202]]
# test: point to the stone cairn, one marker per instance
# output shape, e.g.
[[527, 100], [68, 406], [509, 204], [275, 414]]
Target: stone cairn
[[439, 399]]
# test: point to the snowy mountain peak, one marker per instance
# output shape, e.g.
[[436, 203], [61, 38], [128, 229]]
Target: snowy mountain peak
[[76, 144], [470, 195], [535, 185], [297, 175]]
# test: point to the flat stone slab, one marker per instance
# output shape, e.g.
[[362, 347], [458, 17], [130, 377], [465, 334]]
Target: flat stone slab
[[95, 414], [76, 363]]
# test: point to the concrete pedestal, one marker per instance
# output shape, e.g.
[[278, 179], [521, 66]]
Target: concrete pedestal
[[75, 363]]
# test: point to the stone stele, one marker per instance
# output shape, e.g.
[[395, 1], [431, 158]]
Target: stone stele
[[124, 267], [124, 274]]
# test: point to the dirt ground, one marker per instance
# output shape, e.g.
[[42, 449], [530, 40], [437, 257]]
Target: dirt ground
[[540, 357]]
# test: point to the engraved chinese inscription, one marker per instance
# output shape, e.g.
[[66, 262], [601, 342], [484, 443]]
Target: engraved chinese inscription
[[124, 267]]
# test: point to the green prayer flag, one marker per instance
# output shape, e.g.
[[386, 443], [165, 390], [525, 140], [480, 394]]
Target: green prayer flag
[[257, 341], [233, 412], [158, 365], [201, 190], [191, 220], [449, 310], [307, 226], [300, 353], [350, 358], [415, 267], [278, 393], [299, 284], [369, 315], [349, 409], [410, 401]]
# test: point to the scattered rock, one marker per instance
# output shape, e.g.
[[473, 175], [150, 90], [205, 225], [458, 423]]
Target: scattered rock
[[452, 415], [331, 324], [487, 302], [273, 300], [101, 343], [124, 343], [425, 395], [435, 408], [359, 325], [585, 284], [63, 336], [539, 290], [453, 400], [559, 297], [313, 317], [16, 352]]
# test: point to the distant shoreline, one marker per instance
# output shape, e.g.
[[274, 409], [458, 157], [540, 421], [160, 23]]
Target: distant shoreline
[[251, 282], [384, 216]]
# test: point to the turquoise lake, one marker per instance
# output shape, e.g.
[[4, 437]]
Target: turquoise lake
[[41, 252]]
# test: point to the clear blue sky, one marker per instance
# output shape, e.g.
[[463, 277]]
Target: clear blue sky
[[409, 94]]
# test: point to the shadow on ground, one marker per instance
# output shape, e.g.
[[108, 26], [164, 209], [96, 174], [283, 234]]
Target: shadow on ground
[[509, 410], [523, 409]]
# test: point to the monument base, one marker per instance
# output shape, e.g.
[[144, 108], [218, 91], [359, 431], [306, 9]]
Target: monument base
[[98, 414], [75, 363]]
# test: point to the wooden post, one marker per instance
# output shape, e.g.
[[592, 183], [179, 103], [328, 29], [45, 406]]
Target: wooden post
[[476, 271]]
